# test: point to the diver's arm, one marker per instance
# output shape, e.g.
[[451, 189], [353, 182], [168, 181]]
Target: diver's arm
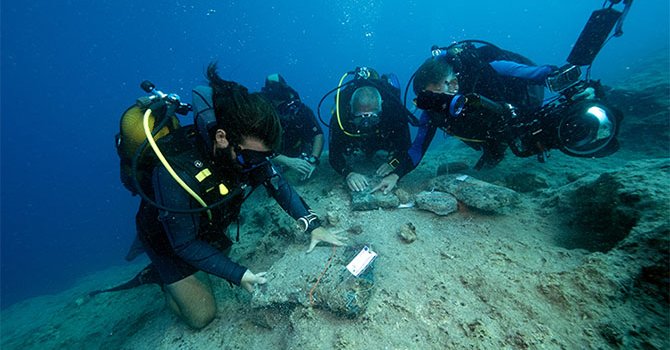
[[411, 159], [282, 160], [182, 230], [317, 145], [296, 207], [287, 197], [536, 74]]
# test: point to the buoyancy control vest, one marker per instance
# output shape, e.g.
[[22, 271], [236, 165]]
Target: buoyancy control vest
[[476, 75], [187, 155], [158, 118]]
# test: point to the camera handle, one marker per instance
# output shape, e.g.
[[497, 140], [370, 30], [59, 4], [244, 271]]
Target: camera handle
[[594, 35]]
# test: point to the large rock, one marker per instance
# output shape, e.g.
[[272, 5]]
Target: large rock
[[440, 203], [475, 193], [293, 281]]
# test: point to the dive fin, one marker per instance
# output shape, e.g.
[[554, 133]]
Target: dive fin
[[148, 275]]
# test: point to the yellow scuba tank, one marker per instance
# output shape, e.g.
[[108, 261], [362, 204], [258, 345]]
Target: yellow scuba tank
[[131, 136], [132, 133]]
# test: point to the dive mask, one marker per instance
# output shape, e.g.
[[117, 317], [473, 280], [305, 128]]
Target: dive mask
[[250, 159], [365, 121]]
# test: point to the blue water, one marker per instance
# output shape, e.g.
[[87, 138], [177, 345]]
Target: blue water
[[69, 68]]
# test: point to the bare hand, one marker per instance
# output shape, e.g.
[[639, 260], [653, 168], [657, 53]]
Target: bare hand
[[250, 280], [588, 94], [301, 165], [387, 184], [320, 234], [384, 169], [357, 182]]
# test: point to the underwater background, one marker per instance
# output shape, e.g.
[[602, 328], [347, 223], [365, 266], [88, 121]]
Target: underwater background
[[70, 68]]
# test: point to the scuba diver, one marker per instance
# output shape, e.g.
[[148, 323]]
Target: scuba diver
[[493, 99], [302, 138], [201, 175], [368, 117]]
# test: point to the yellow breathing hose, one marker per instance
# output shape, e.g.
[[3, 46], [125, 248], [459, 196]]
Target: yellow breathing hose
[[159, 154], [337, 107]]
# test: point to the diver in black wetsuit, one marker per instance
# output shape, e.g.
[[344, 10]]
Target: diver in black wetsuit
[[370, 117], [221, 158], [302, 138], [488, 71]]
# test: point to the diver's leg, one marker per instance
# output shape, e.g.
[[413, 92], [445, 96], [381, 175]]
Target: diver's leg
[[494, 152], [192, 299]]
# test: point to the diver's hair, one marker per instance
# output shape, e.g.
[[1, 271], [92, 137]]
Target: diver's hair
[[242, 114], [365, 96], [432, 71]]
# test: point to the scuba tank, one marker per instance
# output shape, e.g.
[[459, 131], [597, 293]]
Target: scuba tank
[[131, 139], [155, 116]]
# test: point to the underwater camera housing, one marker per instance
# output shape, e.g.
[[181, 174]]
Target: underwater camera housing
[[576, 126]]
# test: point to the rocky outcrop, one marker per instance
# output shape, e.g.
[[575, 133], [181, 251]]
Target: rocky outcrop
[[643, 98], [624, 214]]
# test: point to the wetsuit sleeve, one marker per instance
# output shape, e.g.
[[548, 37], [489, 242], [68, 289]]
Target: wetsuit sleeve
[[182, 230], [411, 159], [287, 197], [336, 145], [536, 74], [312, 126]]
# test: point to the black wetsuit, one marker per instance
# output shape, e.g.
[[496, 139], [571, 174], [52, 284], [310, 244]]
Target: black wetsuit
[[299, 127], [509, 78], [391, 134], [181, 244]]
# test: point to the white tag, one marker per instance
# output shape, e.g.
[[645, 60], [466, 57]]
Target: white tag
[[462, 178], [361, 262]]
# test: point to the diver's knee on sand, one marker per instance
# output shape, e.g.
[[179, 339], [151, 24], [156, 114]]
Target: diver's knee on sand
[[192, 300]]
